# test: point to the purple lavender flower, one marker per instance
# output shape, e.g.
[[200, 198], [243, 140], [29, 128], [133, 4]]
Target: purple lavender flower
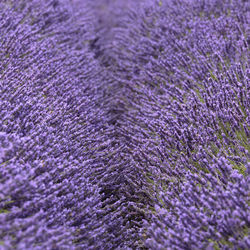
[[124, 125]]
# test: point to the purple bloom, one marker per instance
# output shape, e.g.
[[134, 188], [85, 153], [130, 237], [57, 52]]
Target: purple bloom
[[124, 125]]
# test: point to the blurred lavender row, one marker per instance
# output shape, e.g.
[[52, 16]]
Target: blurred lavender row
[[124, 124]]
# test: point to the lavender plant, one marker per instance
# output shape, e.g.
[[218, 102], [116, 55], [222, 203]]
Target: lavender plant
[[124, 125]]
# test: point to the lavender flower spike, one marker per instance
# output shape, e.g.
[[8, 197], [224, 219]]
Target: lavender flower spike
[[124, 125]]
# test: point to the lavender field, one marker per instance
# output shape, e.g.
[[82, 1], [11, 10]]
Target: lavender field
[[124, 124]]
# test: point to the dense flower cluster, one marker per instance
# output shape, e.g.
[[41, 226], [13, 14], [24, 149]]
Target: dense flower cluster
[[124, 124]]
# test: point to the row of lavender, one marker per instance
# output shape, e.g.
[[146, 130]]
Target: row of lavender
[[124, 130], [187, 65], [49, 107]]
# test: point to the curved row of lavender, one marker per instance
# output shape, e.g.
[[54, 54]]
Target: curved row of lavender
[[124, 125]]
